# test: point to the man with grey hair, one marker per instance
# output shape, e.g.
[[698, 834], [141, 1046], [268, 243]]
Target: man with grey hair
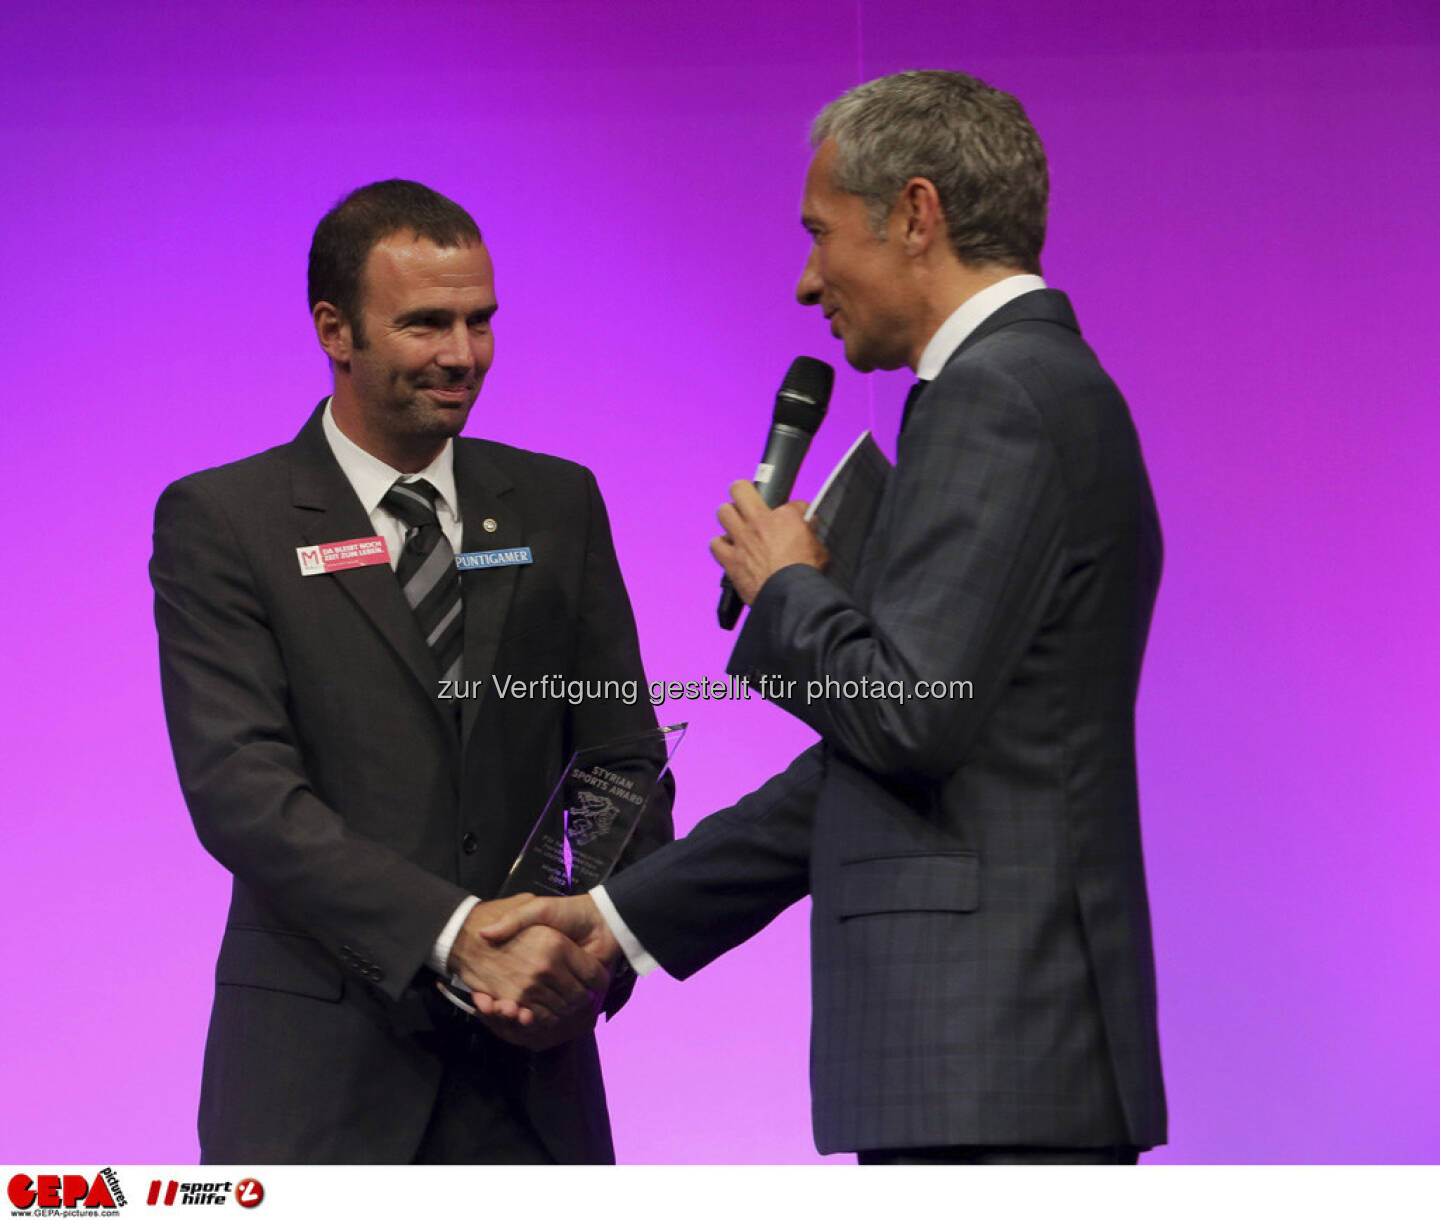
[[983, 981]]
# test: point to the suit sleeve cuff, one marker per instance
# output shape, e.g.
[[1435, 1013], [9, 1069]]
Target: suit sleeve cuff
[[440, 952], [635, 953]]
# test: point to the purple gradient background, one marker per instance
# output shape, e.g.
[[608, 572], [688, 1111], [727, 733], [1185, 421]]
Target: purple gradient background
[[1244, 213]]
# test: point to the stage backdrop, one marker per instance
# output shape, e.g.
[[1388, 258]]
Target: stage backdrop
[[1243, 213]]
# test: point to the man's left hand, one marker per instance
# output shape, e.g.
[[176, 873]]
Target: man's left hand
[[576, 920], [759, 540]]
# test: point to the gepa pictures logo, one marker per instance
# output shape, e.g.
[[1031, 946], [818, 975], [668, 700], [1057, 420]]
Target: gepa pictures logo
[[66, 1194]]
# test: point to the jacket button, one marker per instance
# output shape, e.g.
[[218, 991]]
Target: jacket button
[[470, 843]]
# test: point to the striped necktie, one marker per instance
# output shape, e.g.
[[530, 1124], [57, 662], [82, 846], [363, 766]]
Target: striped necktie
[[427, 574]]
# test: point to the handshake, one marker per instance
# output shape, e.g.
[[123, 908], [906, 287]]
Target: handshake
[[539, 968]]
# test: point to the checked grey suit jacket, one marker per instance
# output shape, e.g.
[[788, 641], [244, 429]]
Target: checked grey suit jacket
[[353, 807], [981, 956]]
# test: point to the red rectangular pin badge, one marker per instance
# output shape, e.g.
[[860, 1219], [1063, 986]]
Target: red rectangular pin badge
[[337, 556]]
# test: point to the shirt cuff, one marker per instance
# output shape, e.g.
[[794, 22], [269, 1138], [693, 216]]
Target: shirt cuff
[[440, 952], [635, 953]]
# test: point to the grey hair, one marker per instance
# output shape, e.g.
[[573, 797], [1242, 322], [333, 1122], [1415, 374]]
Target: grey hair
[[974, 143]]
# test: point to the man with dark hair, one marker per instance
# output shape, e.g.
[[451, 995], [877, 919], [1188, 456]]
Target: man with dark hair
[[983, 979], [313, 623]]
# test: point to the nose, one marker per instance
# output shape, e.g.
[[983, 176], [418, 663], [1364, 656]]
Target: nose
[[807, 291], [455, 352]]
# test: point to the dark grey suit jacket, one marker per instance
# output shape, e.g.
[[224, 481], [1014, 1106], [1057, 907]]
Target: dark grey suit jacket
[[981, 958], [353, 807]]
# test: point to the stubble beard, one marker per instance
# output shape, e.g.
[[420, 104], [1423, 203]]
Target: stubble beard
[[417, 429]]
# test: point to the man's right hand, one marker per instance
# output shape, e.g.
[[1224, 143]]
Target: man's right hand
[[538, 975], [578, 918]]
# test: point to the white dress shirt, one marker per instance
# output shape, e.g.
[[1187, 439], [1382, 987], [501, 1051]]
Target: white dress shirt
[[961, 324], [371, 478], [958, 327]]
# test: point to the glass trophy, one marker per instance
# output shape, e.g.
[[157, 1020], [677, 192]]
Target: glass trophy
[[587, 822]]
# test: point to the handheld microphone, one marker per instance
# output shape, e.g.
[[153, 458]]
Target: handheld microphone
[[799, 409]]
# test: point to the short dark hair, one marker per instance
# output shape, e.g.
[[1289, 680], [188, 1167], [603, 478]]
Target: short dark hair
[[350, 230], [973, 142]]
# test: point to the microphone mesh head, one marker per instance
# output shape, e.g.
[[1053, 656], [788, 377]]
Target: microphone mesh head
[[804, 394]]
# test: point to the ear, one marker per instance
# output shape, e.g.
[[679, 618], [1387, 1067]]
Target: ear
[[333, 331], [921, 215]]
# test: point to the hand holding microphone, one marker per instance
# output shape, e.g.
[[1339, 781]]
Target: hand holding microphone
[[758, 541]]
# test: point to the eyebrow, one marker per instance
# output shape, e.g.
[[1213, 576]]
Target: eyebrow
[[420, 315]]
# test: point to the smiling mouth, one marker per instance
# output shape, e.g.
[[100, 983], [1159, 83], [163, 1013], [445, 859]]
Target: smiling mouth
[[451, 393]]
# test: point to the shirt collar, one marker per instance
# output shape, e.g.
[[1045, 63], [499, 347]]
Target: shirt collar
[[961, 324], [371, 478]]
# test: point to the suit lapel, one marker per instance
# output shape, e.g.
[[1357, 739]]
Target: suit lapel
[[486, 592], [327, 510]]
